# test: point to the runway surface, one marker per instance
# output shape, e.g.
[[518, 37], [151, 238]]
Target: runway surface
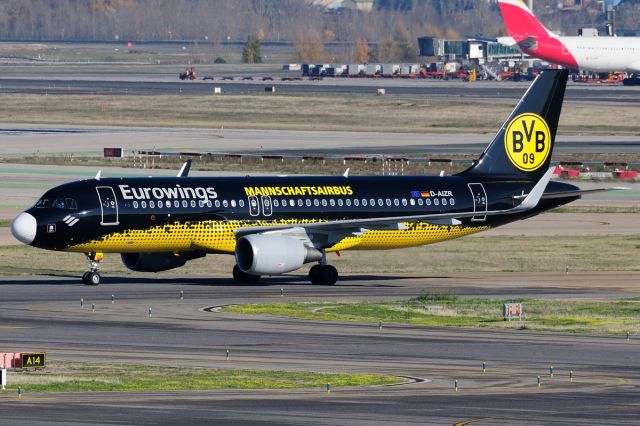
[[145, 84], [43, 313]]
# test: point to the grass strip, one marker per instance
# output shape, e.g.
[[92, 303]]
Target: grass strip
[[93, 377], [295, 112], [602, 317]]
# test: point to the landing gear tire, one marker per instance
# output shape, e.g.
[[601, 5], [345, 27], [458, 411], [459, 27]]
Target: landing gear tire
[[314, 274], [242, 277], [91, 278], [323, 275]]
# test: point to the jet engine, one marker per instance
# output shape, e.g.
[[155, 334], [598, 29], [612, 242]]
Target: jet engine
[[272, 254], [157, 262]]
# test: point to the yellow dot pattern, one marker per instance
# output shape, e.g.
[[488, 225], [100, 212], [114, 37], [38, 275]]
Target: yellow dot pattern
[[218, 237], [416, 234]]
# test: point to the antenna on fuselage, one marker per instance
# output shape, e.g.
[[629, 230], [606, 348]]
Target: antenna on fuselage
[[346, 173], [98, 175], [184, 171]]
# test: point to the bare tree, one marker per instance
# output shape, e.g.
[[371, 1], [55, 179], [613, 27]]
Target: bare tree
[[309, 46]]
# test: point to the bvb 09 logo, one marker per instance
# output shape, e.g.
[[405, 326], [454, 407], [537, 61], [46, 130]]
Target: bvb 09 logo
[[527, 141]]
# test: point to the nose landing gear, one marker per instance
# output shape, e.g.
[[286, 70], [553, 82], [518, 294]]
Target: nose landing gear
[[92, 277]]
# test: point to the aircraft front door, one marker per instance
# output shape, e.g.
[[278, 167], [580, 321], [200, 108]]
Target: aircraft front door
[[479, 201], [108, 205], [254, 207]]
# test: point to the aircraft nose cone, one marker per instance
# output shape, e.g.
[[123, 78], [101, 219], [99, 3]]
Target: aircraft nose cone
[[24, 228]]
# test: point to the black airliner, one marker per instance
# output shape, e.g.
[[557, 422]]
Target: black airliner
[[274, 225]]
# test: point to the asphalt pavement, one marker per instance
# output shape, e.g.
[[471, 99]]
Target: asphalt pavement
[[43, 313]]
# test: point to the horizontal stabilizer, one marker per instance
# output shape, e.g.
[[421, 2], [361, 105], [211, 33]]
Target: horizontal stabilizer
[[565, 194], [507, 41]]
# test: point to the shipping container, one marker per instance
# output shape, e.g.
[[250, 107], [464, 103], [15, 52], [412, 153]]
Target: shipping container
[[356, 70], [372, 69]]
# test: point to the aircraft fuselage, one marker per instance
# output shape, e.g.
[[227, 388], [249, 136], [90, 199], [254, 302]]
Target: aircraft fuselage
[[181, 214]]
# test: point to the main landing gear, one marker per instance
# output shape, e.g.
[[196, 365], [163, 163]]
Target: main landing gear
[[323, 274], [92, 277], [243, 277]]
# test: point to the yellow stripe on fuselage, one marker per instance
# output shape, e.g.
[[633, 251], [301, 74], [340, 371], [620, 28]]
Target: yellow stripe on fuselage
[[218, 236]]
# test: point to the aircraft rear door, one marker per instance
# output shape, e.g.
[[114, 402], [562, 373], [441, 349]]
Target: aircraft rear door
[[108, 205], [266, 205], [479, 196]]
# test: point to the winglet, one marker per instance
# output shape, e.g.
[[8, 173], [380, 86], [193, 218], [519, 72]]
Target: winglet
[[184, 171], [535, 195], [98, 175]]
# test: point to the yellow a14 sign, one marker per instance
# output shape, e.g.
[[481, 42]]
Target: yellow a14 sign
[[33, 360]]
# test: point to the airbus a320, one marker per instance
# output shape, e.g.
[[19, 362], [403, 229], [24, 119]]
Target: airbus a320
[[275, 225]]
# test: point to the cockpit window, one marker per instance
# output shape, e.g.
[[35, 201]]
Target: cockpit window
[[43, 203], [71, 204], [57, 203]]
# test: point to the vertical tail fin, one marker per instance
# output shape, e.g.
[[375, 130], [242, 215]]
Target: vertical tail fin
[[520, 22], [523, 146]]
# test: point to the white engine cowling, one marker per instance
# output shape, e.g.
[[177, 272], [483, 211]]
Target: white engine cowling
[[272, 254]]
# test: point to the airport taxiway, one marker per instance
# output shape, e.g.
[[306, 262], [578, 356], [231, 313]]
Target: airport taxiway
[[141, 83], [43, 313]]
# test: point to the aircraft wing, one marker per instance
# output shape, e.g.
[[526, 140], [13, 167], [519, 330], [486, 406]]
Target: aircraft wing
[[394, 222]]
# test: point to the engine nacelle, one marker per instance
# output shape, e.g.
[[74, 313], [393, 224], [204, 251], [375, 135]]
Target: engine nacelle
[[272, 254], [157, 262]]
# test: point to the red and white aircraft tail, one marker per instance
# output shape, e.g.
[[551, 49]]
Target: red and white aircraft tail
[[589, 53]]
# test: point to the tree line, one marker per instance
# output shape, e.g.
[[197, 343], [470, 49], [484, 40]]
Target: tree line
[[237, 19], [387, 33]]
